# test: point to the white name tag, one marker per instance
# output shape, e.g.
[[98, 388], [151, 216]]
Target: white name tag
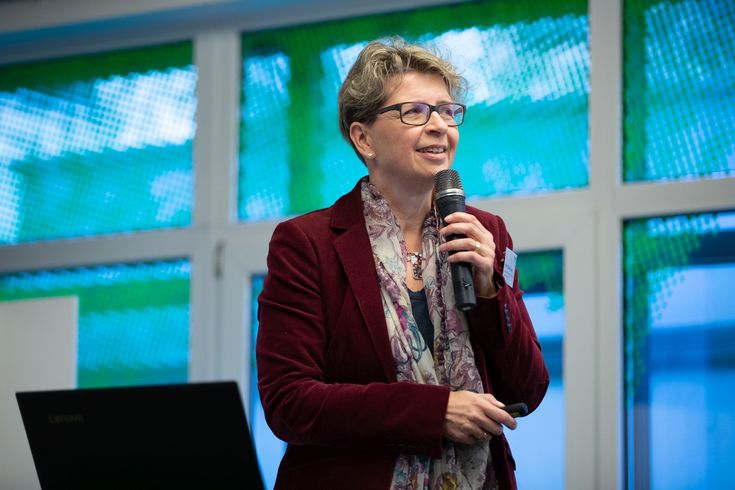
[[509, 268]]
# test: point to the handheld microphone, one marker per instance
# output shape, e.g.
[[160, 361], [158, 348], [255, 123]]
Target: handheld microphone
[[449, 197]]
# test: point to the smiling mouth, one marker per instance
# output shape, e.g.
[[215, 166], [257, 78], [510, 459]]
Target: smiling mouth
[[433, 150]]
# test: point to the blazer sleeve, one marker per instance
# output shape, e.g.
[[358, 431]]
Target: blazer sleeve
[[300, 405], [504, 330]]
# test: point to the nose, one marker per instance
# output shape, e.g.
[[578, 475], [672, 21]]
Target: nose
[[436, 123]]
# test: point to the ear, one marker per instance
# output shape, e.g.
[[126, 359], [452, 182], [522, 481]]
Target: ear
[[360, 136]]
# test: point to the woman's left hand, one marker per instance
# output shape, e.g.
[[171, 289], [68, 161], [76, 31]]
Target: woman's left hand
[[476, 248]]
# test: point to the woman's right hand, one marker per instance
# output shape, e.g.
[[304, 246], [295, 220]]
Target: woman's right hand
[[473, 417]]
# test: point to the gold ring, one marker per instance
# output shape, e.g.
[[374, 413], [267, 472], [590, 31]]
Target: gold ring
[[478, 246]]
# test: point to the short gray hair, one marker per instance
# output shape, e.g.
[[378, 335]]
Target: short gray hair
[[364, 90]]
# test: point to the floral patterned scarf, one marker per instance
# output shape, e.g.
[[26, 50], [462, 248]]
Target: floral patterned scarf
[[453, 363]]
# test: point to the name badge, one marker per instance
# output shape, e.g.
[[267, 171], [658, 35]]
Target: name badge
[[509, 267]]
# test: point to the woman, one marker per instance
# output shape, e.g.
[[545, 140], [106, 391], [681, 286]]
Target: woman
[[366, 368]]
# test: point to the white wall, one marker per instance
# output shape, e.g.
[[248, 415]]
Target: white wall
[[38, 351]]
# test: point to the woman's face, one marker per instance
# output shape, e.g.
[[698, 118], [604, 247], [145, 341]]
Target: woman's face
[[410, 156]]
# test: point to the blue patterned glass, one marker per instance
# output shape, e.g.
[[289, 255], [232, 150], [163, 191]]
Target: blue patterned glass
[[526, 125], [97, 144], [680, 351], [133, 318], [679, 89]]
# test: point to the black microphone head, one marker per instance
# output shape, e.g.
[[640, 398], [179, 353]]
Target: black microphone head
[[446, 179], [448, 192]]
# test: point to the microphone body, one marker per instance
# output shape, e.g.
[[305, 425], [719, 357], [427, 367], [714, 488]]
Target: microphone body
[[450, 198]]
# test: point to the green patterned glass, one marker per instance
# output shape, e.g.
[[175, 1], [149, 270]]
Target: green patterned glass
[[526, 125], [679, 324], [133, 318], [97, 144], [679, 89]]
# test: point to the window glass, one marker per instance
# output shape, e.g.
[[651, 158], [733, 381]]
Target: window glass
[[679, 89], [270, 449], [97, 144], [133, 318], [526, 126], [680, 351], [538, 443]]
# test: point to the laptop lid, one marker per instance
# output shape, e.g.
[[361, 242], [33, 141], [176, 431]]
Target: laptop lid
[[173, 436]]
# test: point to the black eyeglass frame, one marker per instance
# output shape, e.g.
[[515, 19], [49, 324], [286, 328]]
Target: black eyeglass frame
[[432, 108]]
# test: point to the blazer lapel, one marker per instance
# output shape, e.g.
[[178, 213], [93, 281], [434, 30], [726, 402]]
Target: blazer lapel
[[354, 251]]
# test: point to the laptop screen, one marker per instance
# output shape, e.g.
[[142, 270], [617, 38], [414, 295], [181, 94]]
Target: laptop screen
[[173, 436]]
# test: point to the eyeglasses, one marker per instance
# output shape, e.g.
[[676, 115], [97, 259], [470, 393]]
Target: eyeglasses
[[419, 113]]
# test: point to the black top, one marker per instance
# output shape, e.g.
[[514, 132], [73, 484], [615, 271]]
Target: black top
[[420, 309]]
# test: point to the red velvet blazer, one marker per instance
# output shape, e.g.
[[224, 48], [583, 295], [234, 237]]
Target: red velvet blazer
[[326, 375]]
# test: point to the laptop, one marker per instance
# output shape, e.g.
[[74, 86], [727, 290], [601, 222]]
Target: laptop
[[170, 436]]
